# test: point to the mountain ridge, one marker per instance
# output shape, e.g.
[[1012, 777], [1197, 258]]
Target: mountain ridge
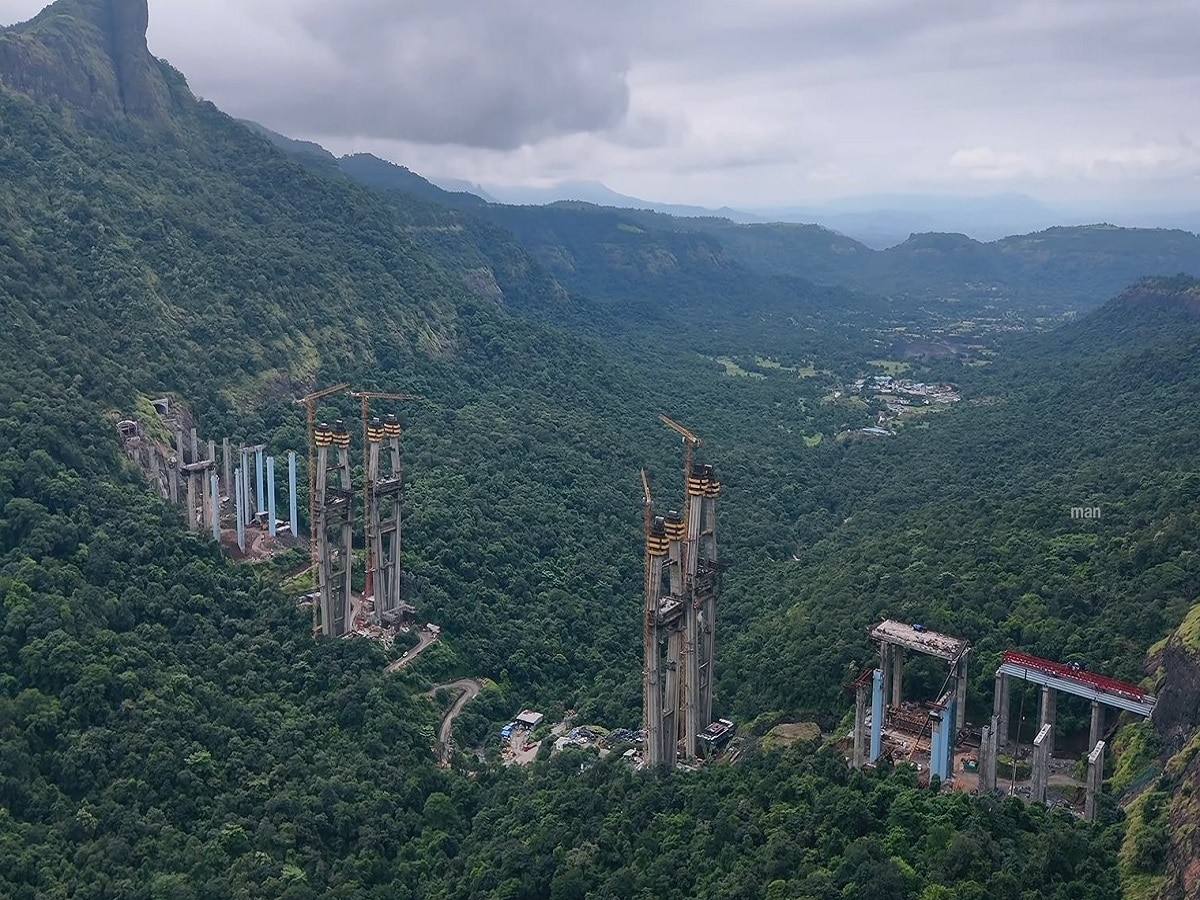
[[91, 54]]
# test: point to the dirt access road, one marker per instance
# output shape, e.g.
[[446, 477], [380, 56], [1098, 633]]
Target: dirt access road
[[424, 642], [470, 690]]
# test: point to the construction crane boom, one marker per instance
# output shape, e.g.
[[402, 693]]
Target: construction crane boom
[[310, 403], [690, 443], [649, 500], [687, 435]]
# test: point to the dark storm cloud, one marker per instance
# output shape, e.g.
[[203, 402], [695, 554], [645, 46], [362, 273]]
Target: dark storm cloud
[[481, 74]]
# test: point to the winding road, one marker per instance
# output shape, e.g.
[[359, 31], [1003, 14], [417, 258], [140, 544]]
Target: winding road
[[424, 642], [470, 690]]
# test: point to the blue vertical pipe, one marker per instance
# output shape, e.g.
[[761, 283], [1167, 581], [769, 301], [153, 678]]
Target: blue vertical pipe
[[876, 714], [292, 492], [271, 496], [259, 506], [240, 479], [215, 507]]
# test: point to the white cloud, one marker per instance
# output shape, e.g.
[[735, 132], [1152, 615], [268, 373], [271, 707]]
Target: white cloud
[[707, 101], [991, 165]]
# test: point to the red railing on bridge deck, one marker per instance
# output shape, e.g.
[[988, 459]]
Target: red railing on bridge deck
[[1099, 682]]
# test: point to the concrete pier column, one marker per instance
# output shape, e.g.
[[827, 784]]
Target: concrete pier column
[[988, 758], [1042, 745], [173, 478], [212, 452], [886, 665], [1049, 705], [897, 675], [876, 714], [191, 501], [960, 699], [154, 474], [240, 498], [271, 496], [227, 457], [860, 725], [205, 522], [295, 521], [260, 490], [941, 750], [244, 501], [1001, 709], [195, 446], [1095, 782], [1097, 724], [214, 491]]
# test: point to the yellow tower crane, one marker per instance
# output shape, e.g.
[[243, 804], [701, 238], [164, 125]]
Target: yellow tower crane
[[310, 403], [690, 441]]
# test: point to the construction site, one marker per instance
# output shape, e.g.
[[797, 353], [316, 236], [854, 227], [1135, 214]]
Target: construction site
[[932, 733], [235, 501], [679, 623]]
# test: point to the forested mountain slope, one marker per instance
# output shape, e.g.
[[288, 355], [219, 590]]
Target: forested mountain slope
[[168, 728], [639, 263], [965, 519]]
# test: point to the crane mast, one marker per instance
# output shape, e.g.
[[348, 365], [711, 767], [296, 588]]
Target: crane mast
[[680, 612]]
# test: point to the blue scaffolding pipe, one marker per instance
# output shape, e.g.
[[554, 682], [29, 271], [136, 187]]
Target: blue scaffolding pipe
[[292, 492], [876, 714], [271, 496]]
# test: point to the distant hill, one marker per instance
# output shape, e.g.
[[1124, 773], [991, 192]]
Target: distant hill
[[1058, 270], [599, 194]]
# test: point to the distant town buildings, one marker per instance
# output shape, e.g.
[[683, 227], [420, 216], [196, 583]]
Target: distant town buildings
[[901, 398]]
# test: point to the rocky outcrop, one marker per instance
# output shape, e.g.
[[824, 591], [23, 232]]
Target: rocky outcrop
[[1176, 720], [91, 54], [1183, 856], [1177, 713]]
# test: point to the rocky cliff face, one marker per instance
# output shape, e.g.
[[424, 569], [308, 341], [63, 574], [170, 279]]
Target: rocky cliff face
[[1177, 721], [90, 54]]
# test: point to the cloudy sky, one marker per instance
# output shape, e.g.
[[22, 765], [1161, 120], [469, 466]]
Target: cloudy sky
[[739, 102]]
